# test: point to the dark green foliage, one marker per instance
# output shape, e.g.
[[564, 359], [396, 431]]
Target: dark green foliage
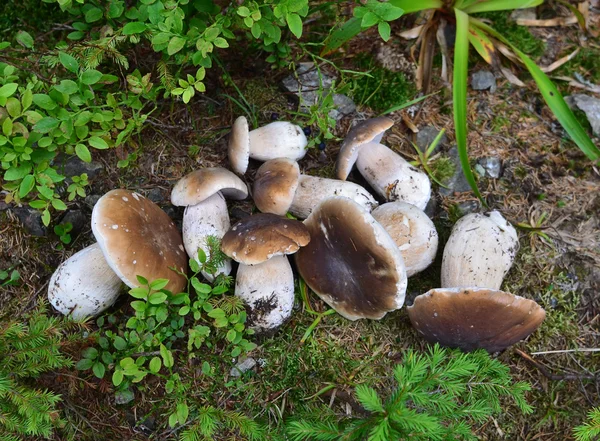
[[28, 350], [590, 430], [516, 34], [211, 421], [383, 89], [438, 396]]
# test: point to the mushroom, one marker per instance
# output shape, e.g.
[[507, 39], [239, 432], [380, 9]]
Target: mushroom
[[279, 187], [413, 232], [473, 318], [390, 175], [264, 279], [202, 193], [279, 139], [84, 285], [138, 238], [480, 251], [351, 262]]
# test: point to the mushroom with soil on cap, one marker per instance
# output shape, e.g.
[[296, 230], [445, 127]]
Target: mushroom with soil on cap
[[264, 278], [390, 175], [280, 139], [137, 238], [413, 232], [279, 187], [202, 193], [351, 262], [84, 285]]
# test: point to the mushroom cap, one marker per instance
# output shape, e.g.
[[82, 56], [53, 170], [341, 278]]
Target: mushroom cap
[[238, 150], [279, 139], [259, 237], [138, 238], [479, 252], [84, 285], [275, 184], [413, 232], [201, 184], [474, 318], [370, 130], [351, 262]]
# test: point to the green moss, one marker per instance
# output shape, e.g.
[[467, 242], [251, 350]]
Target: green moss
[[517, 35], [383, 89], [443, 169], [586, 63]]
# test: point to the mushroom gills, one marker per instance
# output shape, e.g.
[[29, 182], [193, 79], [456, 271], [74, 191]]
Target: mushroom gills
[[84, 285]]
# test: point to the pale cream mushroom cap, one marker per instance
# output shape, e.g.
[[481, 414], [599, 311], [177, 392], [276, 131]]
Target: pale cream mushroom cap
[[201, 184], [239, 146]]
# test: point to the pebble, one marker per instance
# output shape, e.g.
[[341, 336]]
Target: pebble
[[242, 367], [483, 80]]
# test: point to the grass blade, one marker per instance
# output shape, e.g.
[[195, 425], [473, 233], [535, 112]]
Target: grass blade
[[415, 6], [407, 104], [501, 5], [576, 13], [341, 35], [482, 44], [459, 86]]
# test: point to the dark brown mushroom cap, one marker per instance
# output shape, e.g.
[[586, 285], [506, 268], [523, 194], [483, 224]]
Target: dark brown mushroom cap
[[351, 262], [259, 237], [138, 238], [199, 185], [275, 184], [360, 134], [474, 318]]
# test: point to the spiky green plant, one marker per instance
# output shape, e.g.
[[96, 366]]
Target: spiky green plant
[[438, 396], [590, 430], [211, 421]]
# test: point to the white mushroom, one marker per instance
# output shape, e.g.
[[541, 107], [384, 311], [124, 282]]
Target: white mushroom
[[279, 139], [480, 251]]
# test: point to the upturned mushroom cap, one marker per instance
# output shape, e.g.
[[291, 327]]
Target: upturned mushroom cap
[[275, 184], [480, 251], [201, 184], [351, 262], [84, 285], [280, 139], [474, 318], [262, 236], [138, 238], [239, 145], [413, 232], [370, 130]]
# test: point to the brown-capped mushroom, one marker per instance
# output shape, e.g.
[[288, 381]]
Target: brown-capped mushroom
[[351, 262], [264, 279], [474, 318], [138, 238], [202, 193], [280, 139], [279, 187]]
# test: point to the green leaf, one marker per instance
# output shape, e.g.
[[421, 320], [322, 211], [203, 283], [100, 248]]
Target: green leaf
[[98, 143], [167, 356], [8, 89], [175, 45], [84, 364], [231, 335], [342, 35], [13, 106], [182, 412], [99, 370], [25, 39], [117, 377], [26, 186], [134, 27], [45, 125], [69, 62], [90, 76], [119, 343], [68, 87], [138, 293], [501, 5], [369, 19], [93, 14], [59, 205], [43, 101], [155, 365], [482, 44], [156, 298], [83, 153], [409, 6], [27, 99], [461, 59], [294, 22], [385, 30], [90, 353]]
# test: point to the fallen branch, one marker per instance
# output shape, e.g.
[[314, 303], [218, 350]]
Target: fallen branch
[[551, 376]]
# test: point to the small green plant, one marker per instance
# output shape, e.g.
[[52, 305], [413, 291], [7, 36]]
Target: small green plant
[[62, 231], [590, 430], [9, 276], [29, 349], [424, 159], [438, 396], [211, 421]]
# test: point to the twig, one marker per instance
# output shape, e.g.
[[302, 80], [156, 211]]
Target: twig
[[551, 376], [564, 351]]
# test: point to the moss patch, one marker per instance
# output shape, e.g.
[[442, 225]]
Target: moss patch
[[517, 35]]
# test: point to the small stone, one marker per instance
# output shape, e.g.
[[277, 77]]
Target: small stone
[[124, 396], [344, 106], [483, 80], [73, 166], [458, 182], [468, 207], [523, 14], [432, 207], [90, 200], [425, 137], [589, 105], [31, 220], [77, 219], [242, 367], [156, 195], [492, 167]]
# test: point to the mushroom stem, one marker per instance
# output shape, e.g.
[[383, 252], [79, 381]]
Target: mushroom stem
[[208, 218], [392, 177], [84, 285], [312, 191], [268, 289], [280, 139]]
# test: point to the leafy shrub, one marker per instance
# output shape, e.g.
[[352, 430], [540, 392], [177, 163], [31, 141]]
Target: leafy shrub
[[438, 396]]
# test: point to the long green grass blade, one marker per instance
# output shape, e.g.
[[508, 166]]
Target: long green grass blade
[[341, 35], [575, 11], [417, 5], [552, 97], [459, 86], [482, 44], [407, 104], [500, 5]]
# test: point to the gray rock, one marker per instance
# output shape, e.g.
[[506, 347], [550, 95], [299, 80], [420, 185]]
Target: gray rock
[[242, 366], [432, 207], [124, 396], [492, 167], [31, 220], [425, 137], [469, 207], [523, 14], [90, 200], [307, 85], [591, 107], [483, 80], [457, 183], [73, 166], [156, 195], [77, 219]]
